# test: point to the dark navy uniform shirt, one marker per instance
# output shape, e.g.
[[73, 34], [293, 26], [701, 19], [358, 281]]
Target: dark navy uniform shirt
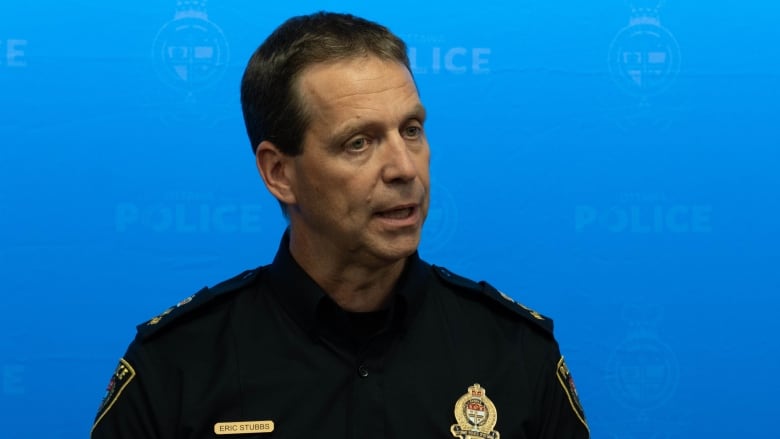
[[268, 354]]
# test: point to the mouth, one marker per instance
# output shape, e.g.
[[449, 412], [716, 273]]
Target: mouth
[[405, 215], [398, 213]]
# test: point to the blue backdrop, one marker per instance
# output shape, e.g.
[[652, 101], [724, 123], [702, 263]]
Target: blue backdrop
[[613, 164]]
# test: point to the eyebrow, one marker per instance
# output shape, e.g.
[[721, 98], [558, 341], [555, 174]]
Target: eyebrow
[[417, 112]]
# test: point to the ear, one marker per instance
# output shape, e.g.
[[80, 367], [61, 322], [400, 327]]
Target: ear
[[276, 170]]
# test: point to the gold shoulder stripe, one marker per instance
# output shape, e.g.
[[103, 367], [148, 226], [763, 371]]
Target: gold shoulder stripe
[[122, 376], [567, 382]]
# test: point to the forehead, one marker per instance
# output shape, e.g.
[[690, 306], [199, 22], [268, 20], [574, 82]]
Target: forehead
[[331, 85]]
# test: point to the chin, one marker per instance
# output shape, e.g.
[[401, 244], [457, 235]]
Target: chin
[[401, 248]]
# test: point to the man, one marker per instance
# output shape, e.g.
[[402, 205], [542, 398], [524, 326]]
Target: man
[[348, 333]]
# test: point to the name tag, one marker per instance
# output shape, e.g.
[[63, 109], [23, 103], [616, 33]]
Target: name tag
[[243, 427]]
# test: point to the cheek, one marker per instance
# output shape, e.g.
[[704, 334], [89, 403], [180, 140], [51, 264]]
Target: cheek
[[424, 159], [423, 167]]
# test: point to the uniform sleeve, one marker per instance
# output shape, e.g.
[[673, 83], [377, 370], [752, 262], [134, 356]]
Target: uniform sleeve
[[562, 415], [140, 399]]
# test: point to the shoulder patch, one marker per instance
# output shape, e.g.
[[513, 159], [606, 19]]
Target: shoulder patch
[[567, 382], [193, 302], [491, 292], [122, 376]]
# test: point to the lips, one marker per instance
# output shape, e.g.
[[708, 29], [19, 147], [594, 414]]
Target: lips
[[400, 213]]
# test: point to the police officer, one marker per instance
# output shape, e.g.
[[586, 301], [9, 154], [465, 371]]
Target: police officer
[[347, 333]]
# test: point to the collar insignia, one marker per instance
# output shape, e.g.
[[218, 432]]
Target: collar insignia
[[476, 415]]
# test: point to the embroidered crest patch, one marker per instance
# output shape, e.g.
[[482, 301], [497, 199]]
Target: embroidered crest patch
[[567, 382], [122, 376], [476, 415]]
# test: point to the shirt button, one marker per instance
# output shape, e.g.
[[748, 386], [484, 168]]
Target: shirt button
[[362, 371]]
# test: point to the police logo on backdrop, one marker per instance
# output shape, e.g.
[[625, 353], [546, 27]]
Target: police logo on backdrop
[[15, 355], [13, 380], [190, 52], [442, 220], [13, 53], [644, 57], [643, 371], [432, 54]]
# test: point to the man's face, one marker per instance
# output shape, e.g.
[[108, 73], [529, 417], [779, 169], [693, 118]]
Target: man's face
[[361, 184]]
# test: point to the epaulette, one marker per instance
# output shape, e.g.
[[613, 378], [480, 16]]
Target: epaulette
[[193, 302], [497, 296]]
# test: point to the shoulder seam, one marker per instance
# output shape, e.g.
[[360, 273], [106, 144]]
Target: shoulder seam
[[195, 301], [505, 301]]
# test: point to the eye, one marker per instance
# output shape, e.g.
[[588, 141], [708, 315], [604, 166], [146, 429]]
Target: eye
[[412, 132], [357, 144]]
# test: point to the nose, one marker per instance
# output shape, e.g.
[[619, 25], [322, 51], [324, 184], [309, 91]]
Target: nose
[[399, 164]]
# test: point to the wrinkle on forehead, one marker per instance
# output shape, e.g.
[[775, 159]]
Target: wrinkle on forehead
[[352, 78], [357, 93]]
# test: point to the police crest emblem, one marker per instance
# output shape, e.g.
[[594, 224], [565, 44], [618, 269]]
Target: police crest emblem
[[476, 415]]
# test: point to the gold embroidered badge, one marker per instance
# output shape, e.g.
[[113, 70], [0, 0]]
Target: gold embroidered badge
[[476, 415]]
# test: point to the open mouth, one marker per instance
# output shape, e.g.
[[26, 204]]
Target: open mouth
[[402, 213]]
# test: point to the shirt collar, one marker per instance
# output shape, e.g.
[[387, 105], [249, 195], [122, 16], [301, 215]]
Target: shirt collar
[[301, 297]]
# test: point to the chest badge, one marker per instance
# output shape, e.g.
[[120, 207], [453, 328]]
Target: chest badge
[[476, 415]]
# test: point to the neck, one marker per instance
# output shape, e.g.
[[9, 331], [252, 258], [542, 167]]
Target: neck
[[354, 286]]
